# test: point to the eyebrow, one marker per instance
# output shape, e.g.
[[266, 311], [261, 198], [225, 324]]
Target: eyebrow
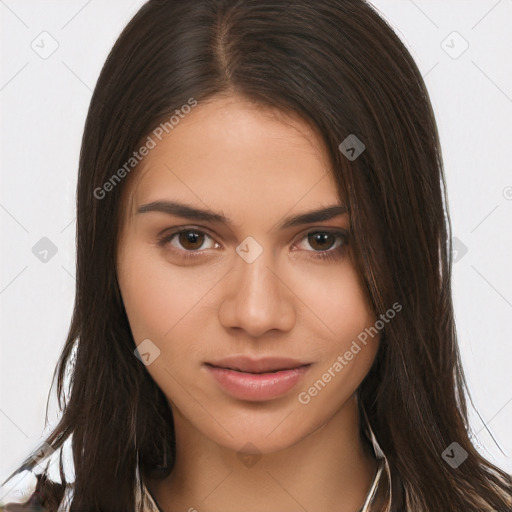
[[193, 213]]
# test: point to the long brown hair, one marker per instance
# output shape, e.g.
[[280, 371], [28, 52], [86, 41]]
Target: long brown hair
[[340, 67]]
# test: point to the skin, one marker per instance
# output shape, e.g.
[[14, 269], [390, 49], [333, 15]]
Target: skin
[[257, 167]]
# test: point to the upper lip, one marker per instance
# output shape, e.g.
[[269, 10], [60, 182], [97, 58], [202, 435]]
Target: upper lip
[[261, 365]]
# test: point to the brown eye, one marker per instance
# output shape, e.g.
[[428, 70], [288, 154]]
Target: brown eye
[[326, 245], [187, 242], [191, 240], [321, 241]]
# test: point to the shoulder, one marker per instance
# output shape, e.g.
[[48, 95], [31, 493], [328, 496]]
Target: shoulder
[[17, 491], [147, 500], [33, 492]]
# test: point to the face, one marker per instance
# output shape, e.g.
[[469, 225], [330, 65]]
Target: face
[[218, 302]]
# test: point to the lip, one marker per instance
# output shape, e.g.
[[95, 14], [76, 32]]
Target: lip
[[257, 379]]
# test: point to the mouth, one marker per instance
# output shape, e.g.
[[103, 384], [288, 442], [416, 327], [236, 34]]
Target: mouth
[[257, 380], [269, 372], [258, 366]]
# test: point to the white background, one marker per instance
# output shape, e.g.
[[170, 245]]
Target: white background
[[44, 104]]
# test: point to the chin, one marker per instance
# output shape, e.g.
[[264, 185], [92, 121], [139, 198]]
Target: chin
[[259, 430]]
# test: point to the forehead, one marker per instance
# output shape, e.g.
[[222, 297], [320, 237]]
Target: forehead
[[231, 154]]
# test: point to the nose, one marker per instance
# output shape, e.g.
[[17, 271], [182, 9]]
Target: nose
[[257, 297]]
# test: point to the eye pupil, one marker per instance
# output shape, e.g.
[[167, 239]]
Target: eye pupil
[[322, 238]]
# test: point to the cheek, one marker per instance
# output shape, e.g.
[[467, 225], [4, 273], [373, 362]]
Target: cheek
[[340, 316], [157, 296], [148, 302], [335, 306]]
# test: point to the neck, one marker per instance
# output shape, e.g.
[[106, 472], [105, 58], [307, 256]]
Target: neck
[[330, 469]]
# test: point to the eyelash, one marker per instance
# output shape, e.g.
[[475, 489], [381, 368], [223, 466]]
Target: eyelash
[[327, 255]]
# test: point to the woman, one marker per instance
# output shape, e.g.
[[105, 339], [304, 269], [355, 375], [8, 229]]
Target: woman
[[263, 318]]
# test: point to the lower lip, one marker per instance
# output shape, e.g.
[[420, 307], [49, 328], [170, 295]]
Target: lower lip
[[254, 386]]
